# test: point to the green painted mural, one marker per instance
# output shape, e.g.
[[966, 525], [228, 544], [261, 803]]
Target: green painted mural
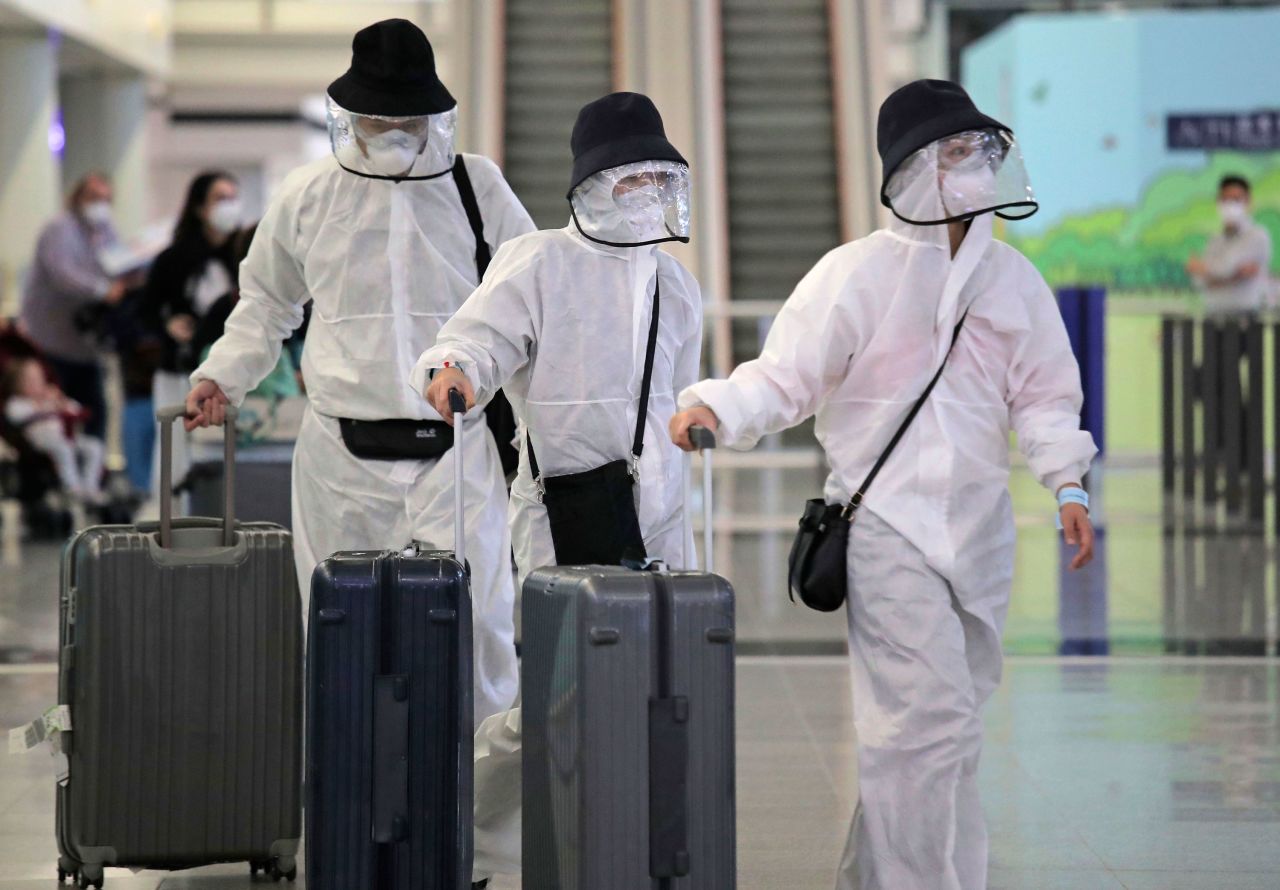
[[1144, 248]]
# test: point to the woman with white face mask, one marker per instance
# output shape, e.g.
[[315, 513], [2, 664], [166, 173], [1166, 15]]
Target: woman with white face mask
[[927, 567], [188, 278]]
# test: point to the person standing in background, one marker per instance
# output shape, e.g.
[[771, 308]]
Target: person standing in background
[[187, 279], [1234, 270], [66, 279]]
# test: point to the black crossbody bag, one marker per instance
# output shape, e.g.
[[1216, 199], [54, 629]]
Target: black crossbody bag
[[818, 567], [592, 514]]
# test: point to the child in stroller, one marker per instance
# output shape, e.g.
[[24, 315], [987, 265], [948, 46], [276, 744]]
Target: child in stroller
[[50, 422]]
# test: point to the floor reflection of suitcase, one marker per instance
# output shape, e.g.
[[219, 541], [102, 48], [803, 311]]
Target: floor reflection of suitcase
[[181, 662], [263, 484], [628, 683]]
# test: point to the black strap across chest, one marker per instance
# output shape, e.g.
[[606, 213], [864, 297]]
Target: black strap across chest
[[642, 413]]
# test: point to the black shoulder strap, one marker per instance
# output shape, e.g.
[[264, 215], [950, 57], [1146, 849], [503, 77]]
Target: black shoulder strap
[[646, 383], [861, 493], [468, 194]]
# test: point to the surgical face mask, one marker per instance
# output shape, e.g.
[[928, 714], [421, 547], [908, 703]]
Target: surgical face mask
[[97, 212], [392, 153], [1233, 213], [967, 191], [225, 216]]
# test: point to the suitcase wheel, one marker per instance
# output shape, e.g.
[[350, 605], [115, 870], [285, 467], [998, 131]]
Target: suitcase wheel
[[284, 868], [90, 876]]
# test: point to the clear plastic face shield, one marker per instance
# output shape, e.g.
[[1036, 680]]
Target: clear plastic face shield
[[634, 205], [418, 147], [962, 176]]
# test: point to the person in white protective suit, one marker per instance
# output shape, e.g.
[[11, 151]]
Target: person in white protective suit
[[376, 237], [565, 322], [930, 553]]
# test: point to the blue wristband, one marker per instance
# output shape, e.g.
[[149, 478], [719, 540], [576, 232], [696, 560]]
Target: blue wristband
[[1072, 495]]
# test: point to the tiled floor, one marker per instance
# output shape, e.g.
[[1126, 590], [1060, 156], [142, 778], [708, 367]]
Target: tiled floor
[[1145, 774]]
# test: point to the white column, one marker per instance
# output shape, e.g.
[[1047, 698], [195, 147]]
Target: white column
[[476, 75], [105, 117], [29, 182], [860, 84], [670, 51]]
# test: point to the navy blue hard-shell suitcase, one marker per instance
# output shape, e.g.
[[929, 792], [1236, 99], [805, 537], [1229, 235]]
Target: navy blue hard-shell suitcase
[[389, 720]]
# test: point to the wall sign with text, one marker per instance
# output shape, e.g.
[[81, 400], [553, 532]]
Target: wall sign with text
[[1254, 131]]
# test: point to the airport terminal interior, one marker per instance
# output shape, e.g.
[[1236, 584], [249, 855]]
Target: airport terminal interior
[[1133, 739]]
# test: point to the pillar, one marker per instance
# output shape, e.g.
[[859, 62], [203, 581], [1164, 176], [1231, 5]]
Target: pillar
[[105, 121], [29, 179]]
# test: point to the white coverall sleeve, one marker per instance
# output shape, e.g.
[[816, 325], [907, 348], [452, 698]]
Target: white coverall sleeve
[[805, 356], [504, 216], [273, 292], [689, 361], [490, 337], [1045, 398]]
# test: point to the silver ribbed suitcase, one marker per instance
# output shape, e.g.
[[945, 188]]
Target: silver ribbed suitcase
[[628, 759], [181, 661]]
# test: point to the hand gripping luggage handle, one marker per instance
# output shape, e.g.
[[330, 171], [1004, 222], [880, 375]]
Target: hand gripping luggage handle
[[458, 405], [705, 441], [167, 417]]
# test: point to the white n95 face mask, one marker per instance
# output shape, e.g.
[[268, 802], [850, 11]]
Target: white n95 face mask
[[225, 216], [645, 212], [968, 191], [392, 153], [97, 212], [1233, 213]]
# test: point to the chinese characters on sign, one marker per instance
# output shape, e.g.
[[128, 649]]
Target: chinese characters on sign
[[1255, 131]]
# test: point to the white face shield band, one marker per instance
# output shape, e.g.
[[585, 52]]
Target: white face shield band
[[962, 176], [392, 147], [634, 205]]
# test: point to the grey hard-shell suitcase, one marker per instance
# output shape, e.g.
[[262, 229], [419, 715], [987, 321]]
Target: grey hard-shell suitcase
[[628, 760], [181, 662]]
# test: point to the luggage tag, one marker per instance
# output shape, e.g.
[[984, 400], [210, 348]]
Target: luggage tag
[[45, 727], [48, 727]]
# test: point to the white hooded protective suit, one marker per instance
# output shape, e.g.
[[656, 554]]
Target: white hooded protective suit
[[931, 551], [560, 324], [384, 264]]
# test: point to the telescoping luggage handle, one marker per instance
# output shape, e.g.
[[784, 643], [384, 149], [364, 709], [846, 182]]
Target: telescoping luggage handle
[[167, 417], [704, 441], [458, 405]]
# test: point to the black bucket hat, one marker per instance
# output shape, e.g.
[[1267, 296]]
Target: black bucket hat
[[919, 113], [620, 128], [392, 73]]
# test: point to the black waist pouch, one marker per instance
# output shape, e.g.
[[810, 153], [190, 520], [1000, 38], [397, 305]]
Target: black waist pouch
[[396, 439], [593, 516]]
